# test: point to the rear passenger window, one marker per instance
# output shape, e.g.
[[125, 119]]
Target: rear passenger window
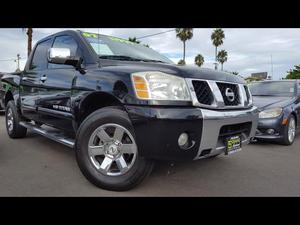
[[64, 42], [39, 60]]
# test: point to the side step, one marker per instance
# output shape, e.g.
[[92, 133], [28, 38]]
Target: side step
[[50, 133]]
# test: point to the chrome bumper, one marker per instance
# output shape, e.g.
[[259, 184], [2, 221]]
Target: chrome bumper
[[213, 121]]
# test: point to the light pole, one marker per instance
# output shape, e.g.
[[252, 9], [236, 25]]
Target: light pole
[[18, 62]]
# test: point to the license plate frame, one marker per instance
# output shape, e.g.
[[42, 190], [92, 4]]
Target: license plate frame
[[233, 144]]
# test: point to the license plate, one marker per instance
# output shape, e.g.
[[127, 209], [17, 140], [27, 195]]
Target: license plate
[[233, 144]]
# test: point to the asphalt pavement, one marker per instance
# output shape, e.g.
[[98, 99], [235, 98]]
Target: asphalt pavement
[[36, 166]]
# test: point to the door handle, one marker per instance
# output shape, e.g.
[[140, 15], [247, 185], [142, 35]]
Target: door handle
[[43, 78]]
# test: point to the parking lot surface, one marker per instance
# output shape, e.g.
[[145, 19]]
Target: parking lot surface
[[36, 166]]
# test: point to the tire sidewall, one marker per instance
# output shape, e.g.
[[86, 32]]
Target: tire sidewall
[[11, 105], [286, 130]]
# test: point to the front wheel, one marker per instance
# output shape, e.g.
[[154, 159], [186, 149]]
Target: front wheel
[[14, 129], [107, 153], [289, 131]]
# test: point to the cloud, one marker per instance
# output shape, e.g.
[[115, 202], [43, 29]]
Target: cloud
[[249, 50]]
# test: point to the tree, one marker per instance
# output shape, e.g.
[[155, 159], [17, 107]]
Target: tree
[[294, 73], [29, 32], [251, 79], [217, 38], [222, 57], [181, 62], [199, 60], [184, 34], [134, 40]]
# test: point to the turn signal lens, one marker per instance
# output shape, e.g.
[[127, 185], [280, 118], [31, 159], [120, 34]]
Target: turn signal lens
[[142, 94], [285, 121], [140, 87]]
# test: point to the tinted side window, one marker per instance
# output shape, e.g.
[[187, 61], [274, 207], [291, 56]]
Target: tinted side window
[[64, 42], [39, 60]]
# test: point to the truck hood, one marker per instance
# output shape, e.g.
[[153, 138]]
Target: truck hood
[[177, 70], [267, 102]]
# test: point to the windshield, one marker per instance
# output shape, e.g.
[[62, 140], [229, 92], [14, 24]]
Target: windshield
[[273, 88], [108, 47]]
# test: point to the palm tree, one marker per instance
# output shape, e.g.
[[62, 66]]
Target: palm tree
[[217, 38], [222, 57], [134, 40], [184, 34], [199, 60], [29, 32]]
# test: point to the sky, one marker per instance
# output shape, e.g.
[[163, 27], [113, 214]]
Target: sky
[[249, 50]]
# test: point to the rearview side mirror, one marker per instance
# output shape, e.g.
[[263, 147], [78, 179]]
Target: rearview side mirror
[[62, 56]]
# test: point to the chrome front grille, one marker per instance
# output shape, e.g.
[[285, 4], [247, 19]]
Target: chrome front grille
[[233, 90], [203, 92], [219, 94]]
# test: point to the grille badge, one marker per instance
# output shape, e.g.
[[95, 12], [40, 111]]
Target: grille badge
[[229, 94]]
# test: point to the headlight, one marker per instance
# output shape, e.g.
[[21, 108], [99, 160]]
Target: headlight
[[160, 86], [270, 113]]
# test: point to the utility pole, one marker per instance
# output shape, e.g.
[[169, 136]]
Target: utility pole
[[18, 63], [216, 65]]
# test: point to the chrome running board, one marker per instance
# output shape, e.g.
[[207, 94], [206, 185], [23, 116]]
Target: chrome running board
[[51, 133]]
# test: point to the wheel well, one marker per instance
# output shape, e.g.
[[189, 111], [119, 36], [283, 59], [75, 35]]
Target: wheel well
[[8, 97], [97, 101], [295, 116]]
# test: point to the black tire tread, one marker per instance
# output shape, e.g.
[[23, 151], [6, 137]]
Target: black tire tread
[[18, 130]]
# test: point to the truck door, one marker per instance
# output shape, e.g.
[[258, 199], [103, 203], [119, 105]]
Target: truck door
[[30, 81], [56, 84]]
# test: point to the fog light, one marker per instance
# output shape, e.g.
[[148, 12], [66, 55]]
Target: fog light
[[270, 131], [183, 139]]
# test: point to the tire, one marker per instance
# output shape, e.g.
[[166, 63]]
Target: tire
[[12, 119], [91, 130], [286, 139]]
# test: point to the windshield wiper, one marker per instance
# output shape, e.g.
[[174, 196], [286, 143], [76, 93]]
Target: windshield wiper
[[119, 57], [153, 60], [129, 58]]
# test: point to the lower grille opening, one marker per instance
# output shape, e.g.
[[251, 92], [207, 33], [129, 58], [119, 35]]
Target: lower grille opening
[[234, 129], [205, 152]]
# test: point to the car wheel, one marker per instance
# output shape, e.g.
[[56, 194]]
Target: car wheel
[[14, 129], [289, 131], [107, 153]]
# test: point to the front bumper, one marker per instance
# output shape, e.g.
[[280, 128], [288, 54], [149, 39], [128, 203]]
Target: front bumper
[[157, 130], [242, 122], [272, 123]]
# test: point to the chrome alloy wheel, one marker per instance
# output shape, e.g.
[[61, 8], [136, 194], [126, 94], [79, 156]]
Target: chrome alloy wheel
[[112, 149], [10, 120], [292, 129]]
